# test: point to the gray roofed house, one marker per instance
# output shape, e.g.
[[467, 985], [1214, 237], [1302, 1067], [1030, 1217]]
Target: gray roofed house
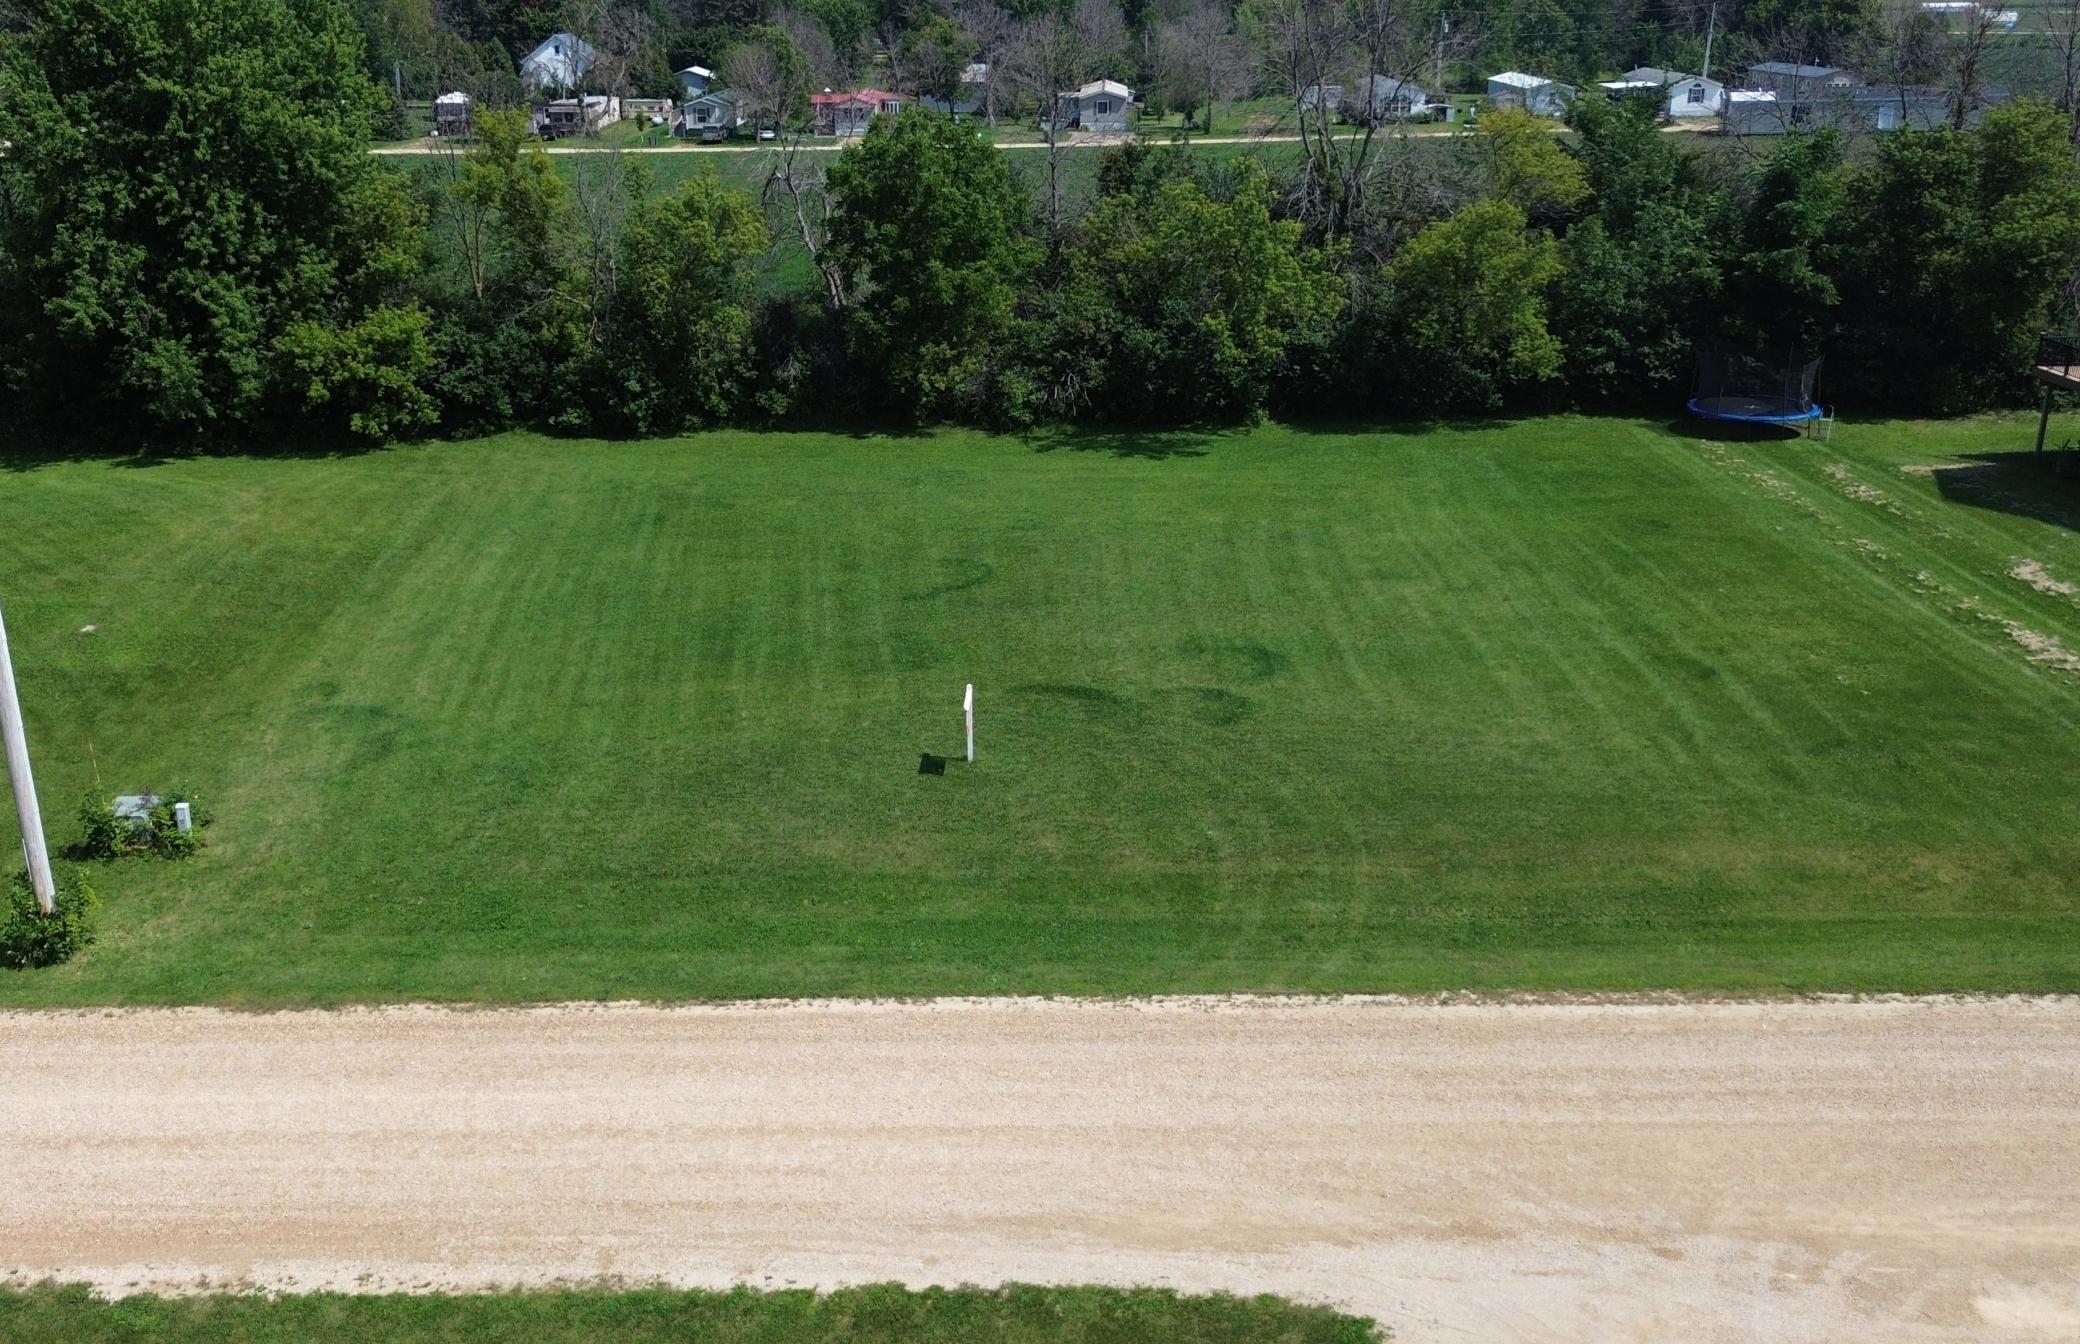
[[1795, 82], [714, 115], [1101, 105], [1681, 96], [695, 79], [1320, 95], [1536, 94], [1385, 98], [1850, 108]]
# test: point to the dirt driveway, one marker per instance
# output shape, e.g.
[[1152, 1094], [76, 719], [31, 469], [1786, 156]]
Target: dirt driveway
[[1897, 1171]]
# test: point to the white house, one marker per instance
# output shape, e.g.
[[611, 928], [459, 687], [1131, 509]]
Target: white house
[[714, 115], [1101, 105], [1536, 94], [558, 64], [695, 79], [1681, 96]]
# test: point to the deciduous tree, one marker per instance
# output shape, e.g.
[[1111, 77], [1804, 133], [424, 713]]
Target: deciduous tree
[[929, 232], [186, 183]]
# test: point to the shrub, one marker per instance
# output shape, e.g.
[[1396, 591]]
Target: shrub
[[104, 835], [168, 840], [28, 937]]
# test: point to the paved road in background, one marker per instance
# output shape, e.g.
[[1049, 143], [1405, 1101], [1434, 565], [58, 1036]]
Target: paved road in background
[[1892, 1171]]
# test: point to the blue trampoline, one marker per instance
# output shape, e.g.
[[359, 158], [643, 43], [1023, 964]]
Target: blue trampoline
[[1752, 387], [1753, 410]]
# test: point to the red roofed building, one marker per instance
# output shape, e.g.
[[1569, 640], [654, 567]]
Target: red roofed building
[[849, 113]]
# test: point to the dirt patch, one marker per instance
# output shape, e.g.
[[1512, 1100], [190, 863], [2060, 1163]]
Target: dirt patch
[[2041, 579], [1847, 483], [2042, 647], [1839, 1170]]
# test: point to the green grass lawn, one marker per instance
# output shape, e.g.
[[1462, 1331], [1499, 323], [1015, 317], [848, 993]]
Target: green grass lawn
[[881, 1314], [1564, 703]]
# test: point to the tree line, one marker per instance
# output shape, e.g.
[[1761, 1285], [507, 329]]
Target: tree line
[[196, 248], [1190, 55]]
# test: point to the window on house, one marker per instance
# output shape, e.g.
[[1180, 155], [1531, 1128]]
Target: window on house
[[1104, 106], [1696, 93]]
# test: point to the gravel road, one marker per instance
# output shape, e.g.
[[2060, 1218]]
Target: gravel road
[[1899, 1170]]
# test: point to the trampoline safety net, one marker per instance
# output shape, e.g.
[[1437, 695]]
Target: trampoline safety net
[[1755, 386]]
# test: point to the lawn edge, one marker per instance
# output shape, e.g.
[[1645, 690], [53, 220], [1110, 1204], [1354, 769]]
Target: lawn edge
[[1154, 1003]]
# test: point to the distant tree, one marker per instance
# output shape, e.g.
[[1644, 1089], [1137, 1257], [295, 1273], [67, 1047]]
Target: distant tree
[[1781, 276], [1464, 316], [1200, 61], [1187, 306], [935, 54], [1638, 271], [193, 235], [847, 24], [769, 72], [1056, 50], [1953, 249], [686, 296], [992, 30], [1306, 50], [929, 233], [1810, 30], [513, 305], [1531, 170], [2061, 20]]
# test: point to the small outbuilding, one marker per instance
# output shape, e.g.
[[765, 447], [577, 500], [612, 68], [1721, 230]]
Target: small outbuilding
[[451, 114], [695, 80], [1754, 112], [1536, 94]]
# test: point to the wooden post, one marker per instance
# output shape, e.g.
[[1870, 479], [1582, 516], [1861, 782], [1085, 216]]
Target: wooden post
[[24, 787], [2044, 419], [968, 714]]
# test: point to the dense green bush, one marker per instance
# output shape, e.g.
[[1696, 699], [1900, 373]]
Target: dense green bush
[[30, 938], [104, 835]]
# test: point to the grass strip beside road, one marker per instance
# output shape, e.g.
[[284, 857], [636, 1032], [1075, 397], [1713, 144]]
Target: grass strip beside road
[[877, 1314]]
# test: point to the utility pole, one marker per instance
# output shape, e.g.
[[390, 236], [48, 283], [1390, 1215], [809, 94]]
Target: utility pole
[[1710, 24], [1444, 26], [397, 79], [24, 787]]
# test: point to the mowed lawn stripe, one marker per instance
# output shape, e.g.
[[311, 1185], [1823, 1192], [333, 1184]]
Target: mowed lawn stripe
[[1568, 703]]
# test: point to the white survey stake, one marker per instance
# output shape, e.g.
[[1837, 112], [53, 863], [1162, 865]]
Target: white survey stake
[[968, 714]]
